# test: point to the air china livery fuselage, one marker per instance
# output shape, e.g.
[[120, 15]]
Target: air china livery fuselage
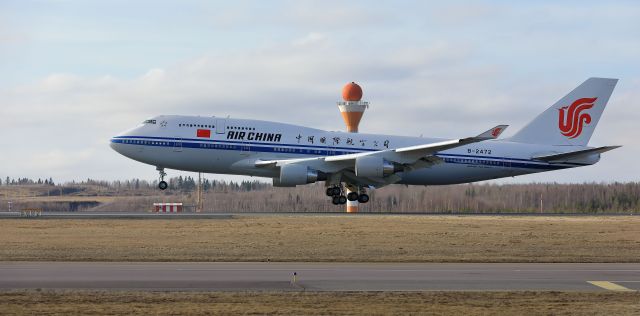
[[294, 155]]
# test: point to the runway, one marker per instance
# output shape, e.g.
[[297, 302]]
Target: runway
[[263, 276]]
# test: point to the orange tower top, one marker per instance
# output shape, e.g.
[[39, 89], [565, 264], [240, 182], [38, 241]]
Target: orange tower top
[[352, 107], [352, 92]]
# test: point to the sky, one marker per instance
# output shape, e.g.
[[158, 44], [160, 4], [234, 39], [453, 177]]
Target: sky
[[75, 73]]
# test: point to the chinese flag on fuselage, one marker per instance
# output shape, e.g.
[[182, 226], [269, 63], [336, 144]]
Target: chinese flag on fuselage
[[204, 133]]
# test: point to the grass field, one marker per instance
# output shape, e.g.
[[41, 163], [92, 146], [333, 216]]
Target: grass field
[[323, 303], [327, 238]]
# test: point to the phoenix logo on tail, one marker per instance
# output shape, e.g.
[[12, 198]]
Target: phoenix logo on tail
[[496, 131], [571, 119]]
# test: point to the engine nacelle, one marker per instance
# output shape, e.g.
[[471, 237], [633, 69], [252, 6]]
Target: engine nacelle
[[293, 174], [374, 167]]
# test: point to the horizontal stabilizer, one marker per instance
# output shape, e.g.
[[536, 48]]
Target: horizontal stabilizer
[[575, 154]]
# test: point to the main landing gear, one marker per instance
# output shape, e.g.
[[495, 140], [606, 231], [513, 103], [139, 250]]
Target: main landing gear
[[337, 195], [162, 185]]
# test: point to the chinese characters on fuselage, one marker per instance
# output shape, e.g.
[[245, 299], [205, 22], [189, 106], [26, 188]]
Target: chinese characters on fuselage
[[311, 139]]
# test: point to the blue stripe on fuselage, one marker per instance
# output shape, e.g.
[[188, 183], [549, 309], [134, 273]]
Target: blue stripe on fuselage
[[503, 162], [242, 143]]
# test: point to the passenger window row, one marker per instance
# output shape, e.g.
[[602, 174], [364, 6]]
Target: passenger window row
[[144, 142], [293, 150], [196, 125], [475, 161], [238, 128], [242, 128], [221, 146]]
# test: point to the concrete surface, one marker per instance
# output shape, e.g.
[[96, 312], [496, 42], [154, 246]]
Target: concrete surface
[[320, 276]]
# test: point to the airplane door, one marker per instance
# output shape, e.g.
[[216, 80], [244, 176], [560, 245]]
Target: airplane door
[[507, 165], [245, 149], [331, 150], [177, 144], [221, 126]]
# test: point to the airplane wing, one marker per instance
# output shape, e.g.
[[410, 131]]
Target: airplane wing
[[573, 155], [413, 153], [366, 168]]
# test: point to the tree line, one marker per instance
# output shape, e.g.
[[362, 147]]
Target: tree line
[[26, 181], [256, 196], [180, 184], [464, 198]]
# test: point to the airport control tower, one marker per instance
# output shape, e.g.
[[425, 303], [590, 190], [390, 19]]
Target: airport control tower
[[352, 109]]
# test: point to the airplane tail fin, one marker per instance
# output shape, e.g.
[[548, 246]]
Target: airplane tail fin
[[571, 120]]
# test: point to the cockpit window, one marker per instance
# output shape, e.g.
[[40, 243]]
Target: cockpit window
[[149, 122]]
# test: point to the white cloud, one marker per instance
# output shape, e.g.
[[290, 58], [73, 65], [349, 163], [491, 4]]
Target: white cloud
[[57, 159], [311, 39]]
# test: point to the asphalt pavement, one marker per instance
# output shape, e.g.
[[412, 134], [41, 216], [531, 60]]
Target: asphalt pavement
[[321, 276]]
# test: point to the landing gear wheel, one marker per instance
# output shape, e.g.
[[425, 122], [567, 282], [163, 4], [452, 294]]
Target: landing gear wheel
[[342, 199], [363, 198], [329, 192], [352, 196], [162, 185], [336, 191], [335, 200]]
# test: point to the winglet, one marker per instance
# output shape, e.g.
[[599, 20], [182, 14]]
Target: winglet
[[493, 133]]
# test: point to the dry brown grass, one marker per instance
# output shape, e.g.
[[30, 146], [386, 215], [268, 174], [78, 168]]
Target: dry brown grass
[[327, 238], [101, 199], [323, 303]]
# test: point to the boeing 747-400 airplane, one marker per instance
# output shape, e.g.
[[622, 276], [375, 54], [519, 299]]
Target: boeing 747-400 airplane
[[294, 155]]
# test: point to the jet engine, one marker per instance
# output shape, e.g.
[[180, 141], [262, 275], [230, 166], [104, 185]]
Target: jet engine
[[294, 174], [374, 167]]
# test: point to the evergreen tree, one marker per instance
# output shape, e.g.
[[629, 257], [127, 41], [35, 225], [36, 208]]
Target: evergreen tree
[[189, 184]]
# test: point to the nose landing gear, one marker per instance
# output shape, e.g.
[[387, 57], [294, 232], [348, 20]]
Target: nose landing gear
[[162, 185]]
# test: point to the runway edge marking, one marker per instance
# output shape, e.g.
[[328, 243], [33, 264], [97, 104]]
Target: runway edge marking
[[611, 286]]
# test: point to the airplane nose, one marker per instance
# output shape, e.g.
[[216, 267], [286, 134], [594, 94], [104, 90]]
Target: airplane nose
[[121, 141], [115, 144]]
